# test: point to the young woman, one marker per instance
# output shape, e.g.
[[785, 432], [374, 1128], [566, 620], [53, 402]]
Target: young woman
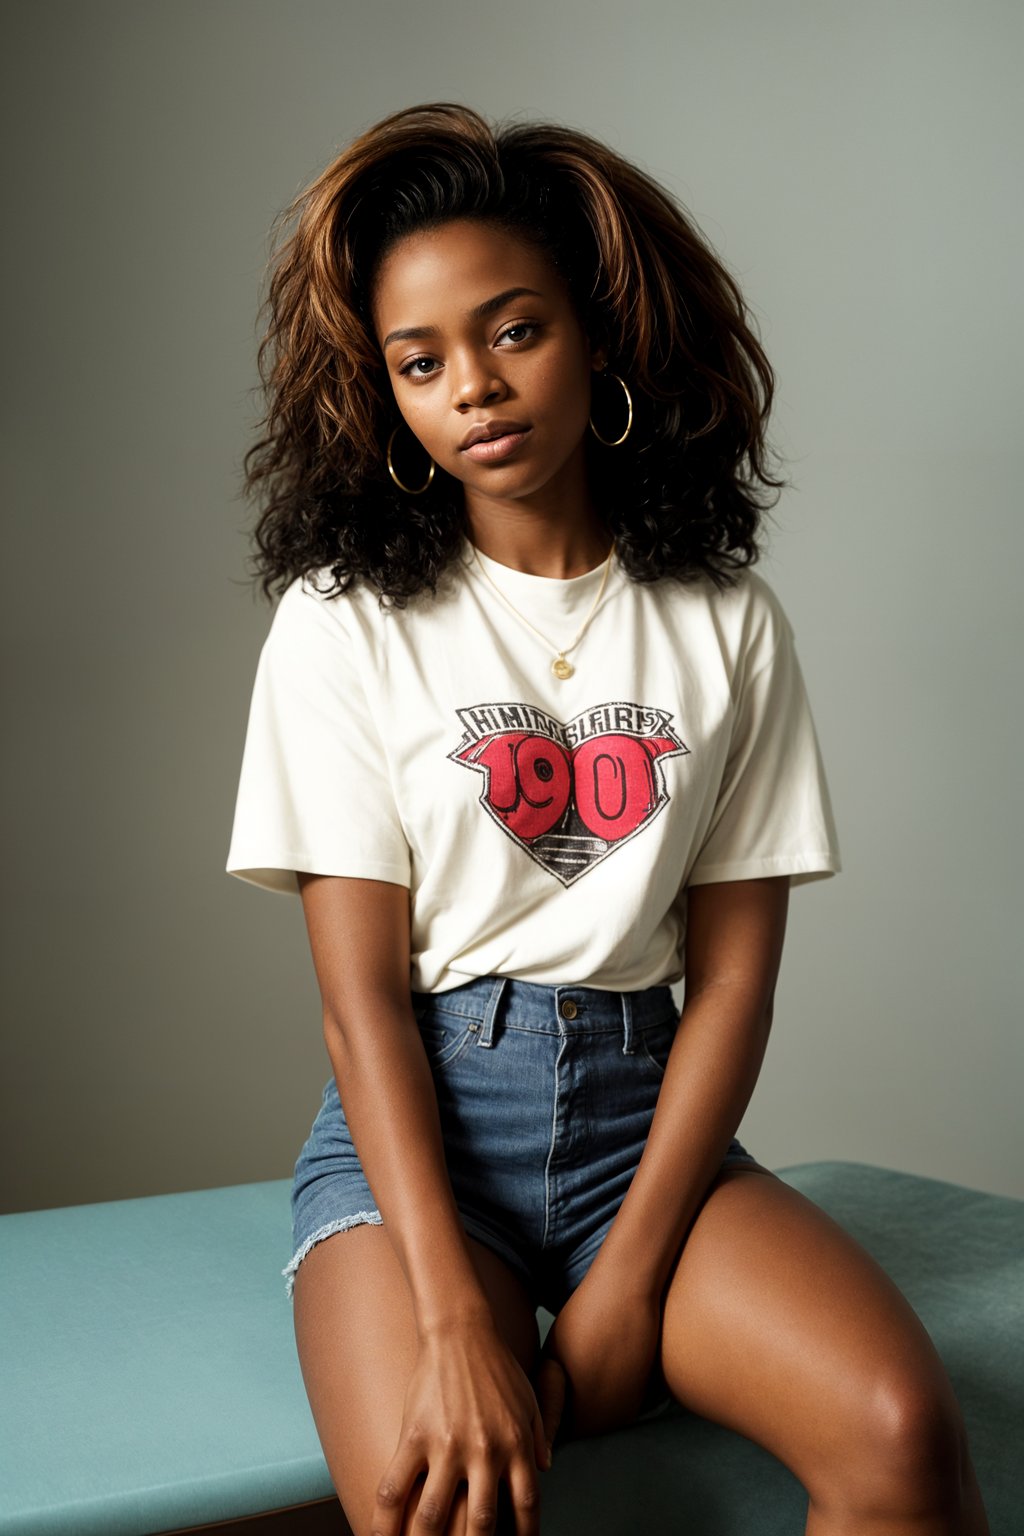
[[530, 738]]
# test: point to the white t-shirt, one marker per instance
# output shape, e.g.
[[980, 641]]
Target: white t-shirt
[[546, 829]]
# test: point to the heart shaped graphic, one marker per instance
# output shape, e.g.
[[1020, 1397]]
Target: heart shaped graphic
[[569, 793]]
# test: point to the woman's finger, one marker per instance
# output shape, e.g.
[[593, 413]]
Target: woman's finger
[[482, 1500], [436, 1498], [394, 1489], [550, 1394], [525, 1493]]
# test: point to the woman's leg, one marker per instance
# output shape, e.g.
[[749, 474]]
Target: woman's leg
[[357, 1344], [779, 1325]]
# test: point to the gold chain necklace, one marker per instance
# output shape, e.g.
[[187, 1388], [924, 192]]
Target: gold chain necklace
[[561, 668]]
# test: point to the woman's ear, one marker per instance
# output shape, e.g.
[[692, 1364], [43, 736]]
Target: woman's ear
[[600, 351]]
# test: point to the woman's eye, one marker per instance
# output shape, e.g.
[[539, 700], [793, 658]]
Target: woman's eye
[[520, 332], [419, 367]]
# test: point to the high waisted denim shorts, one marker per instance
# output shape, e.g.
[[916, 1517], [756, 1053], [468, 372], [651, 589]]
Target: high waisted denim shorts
[[546, 1096]]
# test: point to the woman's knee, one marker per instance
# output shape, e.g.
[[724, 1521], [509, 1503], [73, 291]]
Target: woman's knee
[[905, 1449]]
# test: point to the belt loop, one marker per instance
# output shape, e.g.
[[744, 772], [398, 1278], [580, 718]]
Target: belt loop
[[487, 1032], [628, 1032]]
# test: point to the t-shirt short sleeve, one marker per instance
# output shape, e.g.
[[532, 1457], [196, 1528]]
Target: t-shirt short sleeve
[[314, 791], [773, 814]]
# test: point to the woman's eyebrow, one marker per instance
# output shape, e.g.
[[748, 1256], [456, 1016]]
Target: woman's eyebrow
[[488, 307]]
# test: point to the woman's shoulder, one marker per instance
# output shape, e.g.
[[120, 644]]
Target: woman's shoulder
[[314, 602], [348, 625], [746, 616], [753, 603]]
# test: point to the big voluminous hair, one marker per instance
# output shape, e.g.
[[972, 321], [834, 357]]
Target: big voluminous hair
[[684, 495]]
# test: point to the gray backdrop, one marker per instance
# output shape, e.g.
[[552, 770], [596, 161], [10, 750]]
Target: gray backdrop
[[853, 167]]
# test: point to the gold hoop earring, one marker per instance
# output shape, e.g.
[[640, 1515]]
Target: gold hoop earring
[[614, 442], [408, 489]]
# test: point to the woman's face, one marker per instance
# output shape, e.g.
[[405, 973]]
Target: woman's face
[[482, 342]]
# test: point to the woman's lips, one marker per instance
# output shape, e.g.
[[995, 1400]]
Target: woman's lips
[[493, 448]]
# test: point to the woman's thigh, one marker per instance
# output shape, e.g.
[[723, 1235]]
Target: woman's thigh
[[779, 1325], [356, 1339]]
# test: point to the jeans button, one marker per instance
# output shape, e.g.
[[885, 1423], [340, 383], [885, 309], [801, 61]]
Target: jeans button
[[568, 1009]]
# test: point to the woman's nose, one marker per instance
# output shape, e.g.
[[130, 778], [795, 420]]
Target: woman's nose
[[474, 383]]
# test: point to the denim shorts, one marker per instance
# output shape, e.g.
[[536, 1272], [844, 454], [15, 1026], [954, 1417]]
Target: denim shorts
[[546, 1096]]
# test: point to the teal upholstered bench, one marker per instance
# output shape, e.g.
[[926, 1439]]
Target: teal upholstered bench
[[150, 1383]]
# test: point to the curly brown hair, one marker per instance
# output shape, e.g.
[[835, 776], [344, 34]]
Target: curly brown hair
[[686, 493]]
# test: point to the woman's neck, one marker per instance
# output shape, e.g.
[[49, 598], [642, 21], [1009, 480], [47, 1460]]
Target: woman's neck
[[537, 543], [553, 531]]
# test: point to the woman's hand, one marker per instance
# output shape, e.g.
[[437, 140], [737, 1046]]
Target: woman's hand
[[606, 1340], [470, 1415]]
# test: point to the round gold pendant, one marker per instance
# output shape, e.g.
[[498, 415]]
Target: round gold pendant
[[562, 668]]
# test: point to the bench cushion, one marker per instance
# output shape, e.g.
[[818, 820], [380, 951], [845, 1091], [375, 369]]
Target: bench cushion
[[151, 1383]]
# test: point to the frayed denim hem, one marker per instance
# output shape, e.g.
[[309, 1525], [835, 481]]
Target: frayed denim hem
[[361, 1218]]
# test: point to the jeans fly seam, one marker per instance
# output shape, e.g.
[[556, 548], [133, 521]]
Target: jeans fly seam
[[551, 1148]]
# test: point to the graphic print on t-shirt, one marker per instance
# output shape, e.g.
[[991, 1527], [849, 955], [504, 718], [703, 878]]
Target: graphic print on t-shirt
[[569, 794]]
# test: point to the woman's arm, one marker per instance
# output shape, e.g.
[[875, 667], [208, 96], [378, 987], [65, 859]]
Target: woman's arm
[[359, 936], [470, 1412], [735, 933], [734, 938]]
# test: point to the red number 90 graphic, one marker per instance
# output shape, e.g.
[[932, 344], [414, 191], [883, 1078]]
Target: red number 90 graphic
[[531, 781]]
